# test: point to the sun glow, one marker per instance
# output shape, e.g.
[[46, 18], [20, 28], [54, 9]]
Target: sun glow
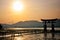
[[17, 6]]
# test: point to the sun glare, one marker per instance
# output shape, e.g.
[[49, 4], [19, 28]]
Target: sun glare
[[17, 6]]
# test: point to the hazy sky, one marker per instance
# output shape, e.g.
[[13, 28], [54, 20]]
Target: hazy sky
[[32, 10]]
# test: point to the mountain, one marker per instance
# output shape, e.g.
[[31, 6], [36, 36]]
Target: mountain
[[57, 24], [25, 24], [29, 24]]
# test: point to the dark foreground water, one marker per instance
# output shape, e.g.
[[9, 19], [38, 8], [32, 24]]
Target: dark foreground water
[[16, 35], [27, 36]]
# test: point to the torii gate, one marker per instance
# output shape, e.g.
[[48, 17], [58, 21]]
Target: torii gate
[[51, 21]]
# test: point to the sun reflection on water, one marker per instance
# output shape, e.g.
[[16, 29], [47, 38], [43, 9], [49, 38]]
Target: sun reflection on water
[[18, 38]]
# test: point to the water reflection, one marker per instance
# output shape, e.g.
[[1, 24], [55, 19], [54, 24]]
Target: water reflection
[[41, 36], [18, 38], [50, 36]]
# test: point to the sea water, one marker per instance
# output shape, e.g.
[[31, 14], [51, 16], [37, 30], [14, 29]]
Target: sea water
[[31, 36]]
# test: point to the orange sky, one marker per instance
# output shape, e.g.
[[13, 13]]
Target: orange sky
[[32, 10]]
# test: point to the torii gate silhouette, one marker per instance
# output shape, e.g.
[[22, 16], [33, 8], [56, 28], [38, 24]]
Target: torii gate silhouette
[[51, 21]]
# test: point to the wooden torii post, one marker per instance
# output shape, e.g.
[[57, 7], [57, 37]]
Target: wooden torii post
[[51, 21]]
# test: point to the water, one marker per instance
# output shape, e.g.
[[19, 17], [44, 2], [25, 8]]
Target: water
[[27, 36]]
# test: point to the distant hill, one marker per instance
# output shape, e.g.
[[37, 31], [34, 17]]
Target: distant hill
[[29, 24], [25, 24], [57, 24]]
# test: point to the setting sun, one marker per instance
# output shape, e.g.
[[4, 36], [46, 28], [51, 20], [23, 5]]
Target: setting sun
[[17, 6], [13, 11]]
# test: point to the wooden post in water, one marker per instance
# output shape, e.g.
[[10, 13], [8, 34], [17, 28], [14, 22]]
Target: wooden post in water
[[52, 25], [45, 26]]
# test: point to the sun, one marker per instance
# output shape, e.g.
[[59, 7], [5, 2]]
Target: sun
[[17, 6]]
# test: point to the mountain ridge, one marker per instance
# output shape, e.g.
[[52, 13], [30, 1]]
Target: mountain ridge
[[29, 24]]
